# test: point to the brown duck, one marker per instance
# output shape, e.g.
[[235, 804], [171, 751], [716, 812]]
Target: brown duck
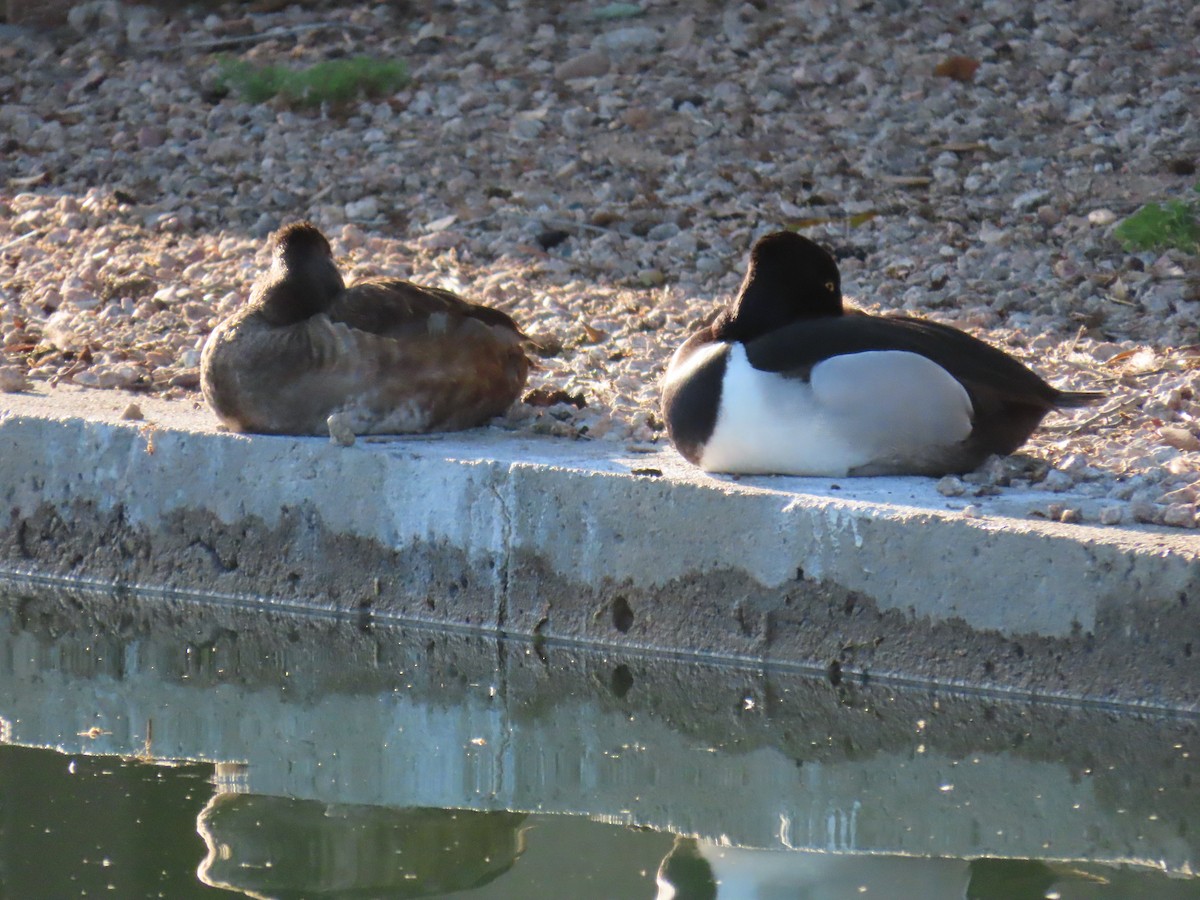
[[383, 356]]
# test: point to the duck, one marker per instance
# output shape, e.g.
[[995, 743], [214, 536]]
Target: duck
[[307, 355], [698, 868], [788, 381]]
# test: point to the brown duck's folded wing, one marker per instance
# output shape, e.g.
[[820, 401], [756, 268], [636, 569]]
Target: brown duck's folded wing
[[289, 380], [392, 307], [464, 360]]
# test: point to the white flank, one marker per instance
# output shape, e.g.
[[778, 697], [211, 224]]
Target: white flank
[[857, 409]]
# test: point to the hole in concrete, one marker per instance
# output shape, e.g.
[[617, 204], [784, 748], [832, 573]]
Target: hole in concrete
[[1187, 649], [835, 673], [621, 681], [429, 604], [1183, 599], [799, 573], [622, 615]]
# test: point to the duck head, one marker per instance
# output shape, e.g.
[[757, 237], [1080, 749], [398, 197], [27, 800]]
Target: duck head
[[303, 279], [789, 278]]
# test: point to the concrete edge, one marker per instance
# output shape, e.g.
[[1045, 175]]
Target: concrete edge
[[555, 539]]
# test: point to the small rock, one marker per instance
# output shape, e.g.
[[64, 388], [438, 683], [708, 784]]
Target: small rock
[[681, 35], [734, 28], [224, 150], [352, 236], [365, 209], [132, 412], [1179, 438], [13, 380], [1048, 215], [149, 137], [622, 40], [960, 68], [86, 18], [1030, 200], [1186, 494], [990, 234], [340, 431], [60, 332], [1180, 515], [1057, 481], [140, 21], [592, 64], [663, 232], [1143, 511], [440, 240], [1073, 463], [639, 117], [526, 129], [1111, 515], [1101, 217], [618, 10], [546, 344], [951, 486]]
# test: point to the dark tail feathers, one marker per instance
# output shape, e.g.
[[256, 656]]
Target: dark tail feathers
[[1076, 399]]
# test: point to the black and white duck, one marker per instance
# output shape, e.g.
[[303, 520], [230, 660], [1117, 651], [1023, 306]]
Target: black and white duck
[[787, 381]]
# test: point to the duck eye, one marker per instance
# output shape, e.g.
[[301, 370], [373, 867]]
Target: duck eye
[[829, 286]]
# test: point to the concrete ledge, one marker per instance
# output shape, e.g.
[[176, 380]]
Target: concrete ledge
[[561, 539]]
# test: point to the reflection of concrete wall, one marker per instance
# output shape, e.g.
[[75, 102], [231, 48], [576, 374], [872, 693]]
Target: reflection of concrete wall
[[320, 710], [561, 539], [286, 848]]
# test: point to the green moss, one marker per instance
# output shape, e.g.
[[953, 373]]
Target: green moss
[[1158, 226], [332, 81]]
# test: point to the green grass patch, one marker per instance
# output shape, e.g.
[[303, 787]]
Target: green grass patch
[[332, 81], [1159, 226]]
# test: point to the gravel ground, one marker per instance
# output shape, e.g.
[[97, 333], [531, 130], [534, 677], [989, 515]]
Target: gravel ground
[[602, 175]]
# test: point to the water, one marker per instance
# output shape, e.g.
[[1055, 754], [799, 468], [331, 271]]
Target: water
[[203, 751]]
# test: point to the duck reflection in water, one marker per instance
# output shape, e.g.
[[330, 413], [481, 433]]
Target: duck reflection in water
[[703, 870], [288, 849]]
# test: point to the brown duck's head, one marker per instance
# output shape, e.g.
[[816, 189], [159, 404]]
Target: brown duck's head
[[303, 279]]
